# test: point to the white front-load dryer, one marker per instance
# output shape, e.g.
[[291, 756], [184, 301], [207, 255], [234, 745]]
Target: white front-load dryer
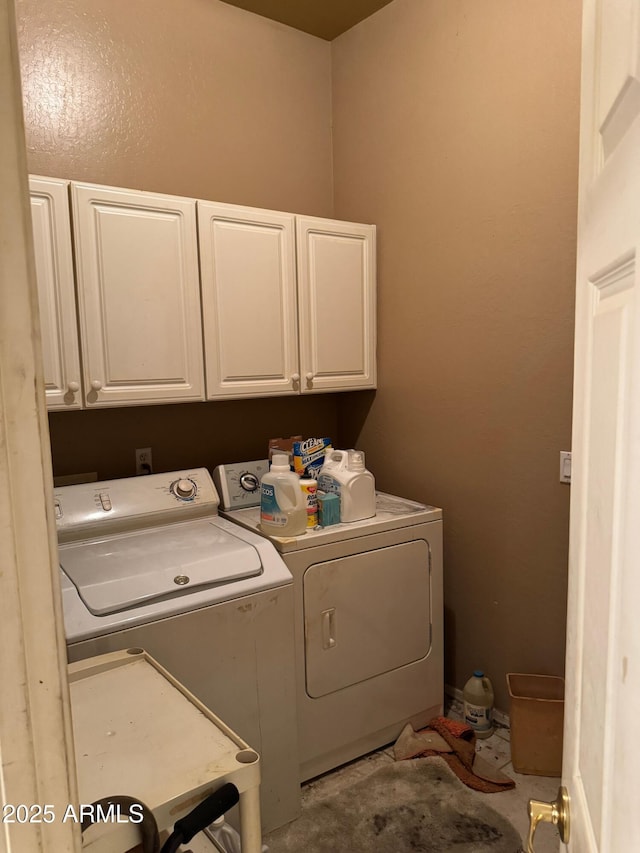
[[368, 607]]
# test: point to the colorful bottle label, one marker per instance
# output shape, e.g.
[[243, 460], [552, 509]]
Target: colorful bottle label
[[270, 512], [478, 717], [327, 483], [310, 492]]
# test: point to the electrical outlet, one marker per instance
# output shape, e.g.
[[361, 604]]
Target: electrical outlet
[[565, 466], [143, 461]]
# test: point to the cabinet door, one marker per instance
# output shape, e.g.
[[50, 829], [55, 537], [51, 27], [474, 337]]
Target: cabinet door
[[336, 304], [56, 292], [138, 296], [248, 301]]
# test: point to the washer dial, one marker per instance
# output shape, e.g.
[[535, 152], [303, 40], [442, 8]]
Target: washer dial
[[184, 490]]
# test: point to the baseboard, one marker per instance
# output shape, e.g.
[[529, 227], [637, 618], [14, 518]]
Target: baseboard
[[499, 717]]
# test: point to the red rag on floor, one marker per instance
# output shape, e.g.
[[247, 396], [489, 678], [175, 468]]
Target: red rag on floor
[[462, 740], [462, 730]]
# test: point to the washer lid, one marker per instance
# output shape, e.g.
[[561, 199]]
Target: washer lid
[[120, 572]]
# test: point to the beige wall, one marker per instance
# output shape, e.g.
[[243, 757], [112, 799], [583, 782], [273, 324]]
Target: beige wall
[[193, 98], [455, 130], [184, 435], [190, 97]]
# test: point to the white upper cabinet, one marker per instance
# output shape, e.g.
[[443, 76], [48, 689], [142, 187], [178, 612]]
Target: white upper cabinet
[[336, 304], [274, 304], [56, 292], [248, 273], [138, 296], [257, 343]]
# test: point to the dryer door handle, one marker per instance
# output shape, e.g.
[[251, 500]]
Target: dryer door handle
[[328, 628]]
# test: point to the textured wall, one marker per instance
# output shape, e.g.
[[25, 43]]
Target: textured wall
[[192, 98], [455, 130]]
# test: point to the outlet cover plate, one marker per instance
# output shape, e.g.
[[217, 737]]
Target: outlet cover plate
[[144, 464]]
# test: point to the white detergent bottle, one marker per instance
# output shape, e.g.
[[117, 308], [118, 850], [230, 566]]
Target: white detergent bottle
[[478, 704], [283, 508], [345, 474]]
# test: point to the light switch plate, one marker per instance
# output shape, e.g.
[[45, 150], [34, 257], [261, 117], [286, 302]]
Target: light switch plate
[[565, 466]]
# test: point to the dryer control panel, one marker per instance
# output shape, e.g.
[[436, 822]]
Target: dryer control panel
[[94, 509], [239, 483]]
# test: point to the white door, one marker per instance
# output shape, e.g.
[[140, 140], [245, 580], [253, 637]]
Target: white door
[[603, 634], [248, 301], [138, 296], [51, 223], [336, 304]]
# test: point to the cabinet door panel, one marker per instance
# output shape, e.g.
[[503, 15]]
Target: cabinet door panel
[[139, 296], [336, 292], [249, 301], [56, 292]]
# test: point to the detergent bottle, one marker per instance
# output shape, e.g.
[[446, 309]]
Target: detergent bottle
[[283, 508], [344, 474]]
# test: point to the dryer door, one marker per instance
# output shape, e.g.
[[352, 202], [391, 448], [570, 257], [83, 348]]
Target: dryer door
[[365, 615]]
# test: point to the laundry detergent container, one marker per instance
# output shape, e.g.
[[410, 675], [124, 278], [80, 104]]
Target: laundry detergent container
[[537, 719]]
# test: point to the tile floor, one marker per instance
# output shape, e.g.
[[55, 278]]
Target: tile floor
[[511, 804]]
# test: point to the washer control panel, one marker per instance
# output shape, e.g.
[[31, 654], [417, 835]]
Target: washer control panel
[[238, 483], [91, 509]]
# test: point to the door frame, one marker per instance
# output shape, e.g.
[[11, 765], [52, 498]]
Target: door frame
[[36, 737]]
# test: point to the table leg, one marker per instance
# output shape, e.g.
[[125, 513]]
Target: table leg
[[250, 825]]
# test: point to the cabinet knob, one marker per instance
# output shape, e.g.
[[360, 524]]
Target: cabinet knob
[[96, 385], [73, 387], [309, 377], [295, 377]]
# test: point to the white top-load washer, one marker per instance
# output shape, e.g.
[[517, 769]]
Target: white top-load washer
[[368, 620], [146, 562]]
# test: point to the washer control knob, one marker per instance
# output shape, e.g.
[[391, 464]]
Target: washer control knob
[[249, 482], [184, 489]]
